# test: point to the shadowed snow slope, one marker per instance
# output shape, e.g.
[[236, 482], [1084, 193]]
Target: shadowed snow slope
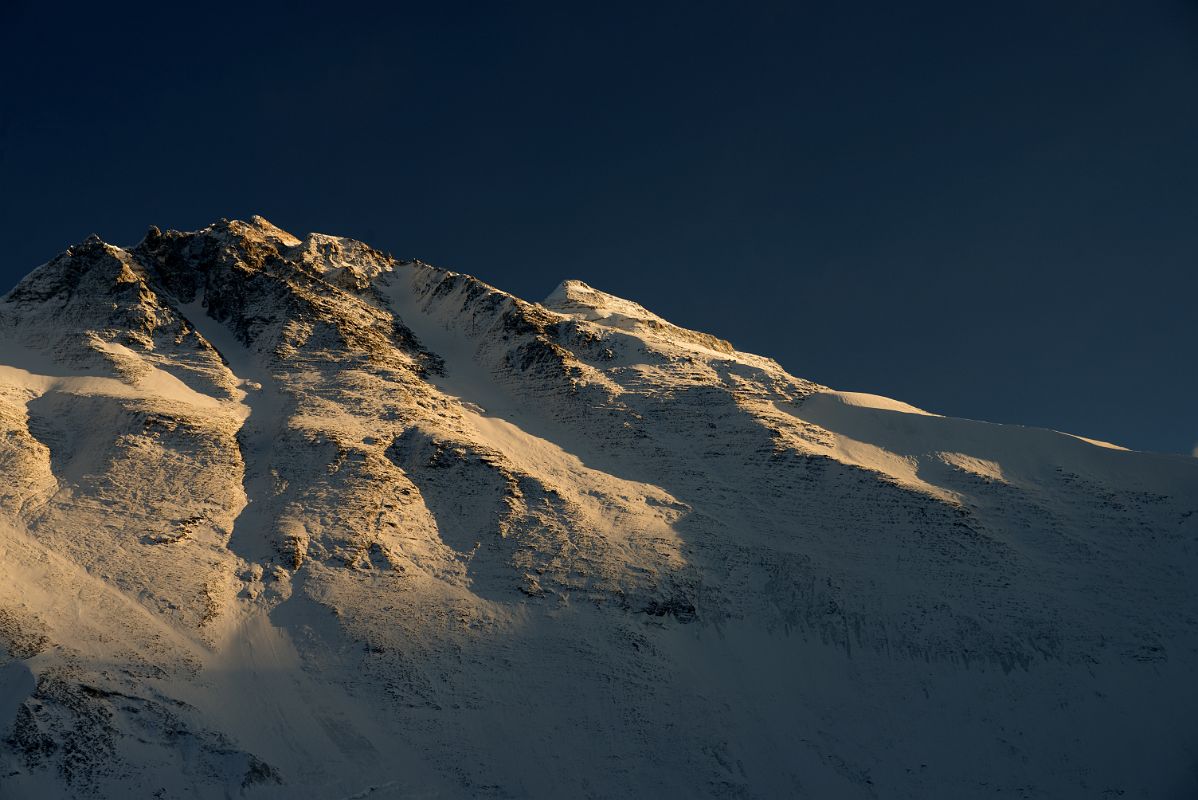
[[288, 518]]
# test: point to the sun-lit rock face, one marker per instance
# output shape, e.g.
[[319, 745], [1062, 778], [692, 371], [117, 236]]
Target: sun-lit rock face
[[287, 517]]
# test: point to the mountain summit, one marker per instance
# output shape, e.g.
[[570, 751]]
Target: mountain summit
[[289, 518]]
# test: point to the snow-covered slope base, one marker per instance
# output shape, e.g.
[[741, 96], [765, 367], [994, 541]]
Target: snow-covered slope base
[[288, 518]]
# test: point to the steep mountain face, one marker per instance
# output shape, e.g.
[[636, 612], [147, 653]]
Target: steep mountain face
[[291, 518]]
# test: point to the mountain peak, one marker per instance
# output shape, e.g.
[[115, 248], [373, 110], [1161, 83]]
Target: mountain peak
[[270, 231], [577, 299]]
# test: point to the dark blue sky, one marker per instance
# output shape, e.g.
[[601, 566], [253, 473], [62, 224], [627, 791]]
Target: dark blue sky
[[986, 209]]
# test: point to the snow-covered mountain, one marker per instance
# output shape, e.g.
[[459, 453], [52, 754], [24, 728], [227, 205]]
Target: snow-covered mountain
[[287, 518]]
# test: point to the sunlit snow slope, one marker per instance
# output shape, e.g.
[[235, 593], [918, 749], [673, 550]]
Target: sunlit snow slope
[[288, 518]]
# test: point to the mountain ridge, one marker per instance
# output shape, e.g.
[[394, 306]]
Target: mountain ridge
[[390, 509]]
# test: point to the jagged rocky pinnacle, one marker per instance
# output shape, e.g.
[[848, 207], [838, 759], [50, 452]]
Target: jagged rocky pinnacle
[[290, 518]]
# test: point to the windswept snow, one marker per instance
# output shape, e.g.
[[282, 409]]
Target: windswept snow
[[863, 400], [286, 517], [38, 375]]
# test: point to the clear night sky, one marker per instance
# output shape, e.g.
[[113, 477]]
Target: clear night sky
[[987, 209]]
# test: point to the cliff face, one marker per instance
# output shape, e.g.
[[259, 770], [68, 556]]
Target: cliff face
[[286, 517]]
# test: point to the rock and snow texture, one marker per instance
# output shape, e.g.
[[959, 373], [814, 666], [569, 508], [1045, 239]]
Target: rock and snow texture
[[287, 518]]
